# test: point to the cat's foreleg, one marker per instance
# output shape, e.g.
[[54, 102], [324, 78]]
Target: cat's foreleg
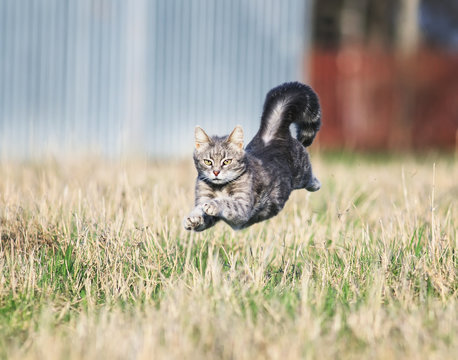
[[235, 211], [198, 220]]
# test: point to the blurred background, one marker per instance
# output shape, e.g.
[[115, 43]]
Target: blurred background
[[118, 77]]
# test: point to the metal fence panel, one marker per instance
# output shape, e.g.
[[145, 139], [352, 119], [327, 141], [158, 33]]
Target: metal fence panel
[[136, 76]]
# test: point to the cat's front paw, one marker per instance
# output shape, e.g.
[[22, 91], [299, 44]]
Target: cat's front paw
[[193, 222], [211, 208]]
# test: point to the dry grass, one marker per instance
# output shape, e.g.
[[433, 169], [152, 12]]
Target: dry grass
[[94, 264]]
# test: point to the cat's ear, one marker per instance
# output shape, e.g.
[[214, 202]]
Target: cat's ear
[[236, 137], [201, 137]]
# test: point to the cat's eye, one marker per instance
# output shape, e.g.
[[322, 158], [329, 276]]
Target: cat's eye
[[227, 161], [207, 162]]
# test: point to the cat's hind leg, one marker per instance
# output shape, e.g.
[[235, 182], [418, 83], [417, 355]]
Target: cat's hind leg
[[307, 180], [304, 179], [313, 185]]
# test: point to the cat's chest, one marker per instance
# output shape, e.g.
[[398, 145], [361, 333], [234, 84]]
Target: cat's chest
[[223, 192]]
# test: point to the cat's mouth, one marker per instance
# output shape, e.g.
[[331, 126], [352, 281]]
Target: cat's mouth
[[217, 180]]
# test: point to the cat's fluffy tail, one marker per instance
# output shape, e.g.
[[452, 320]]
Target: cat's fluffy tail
[[286, 104]]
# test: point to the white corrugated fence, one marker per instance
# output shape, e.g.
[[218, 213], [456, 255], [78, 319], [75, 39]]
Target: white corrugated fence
[[136, 76]]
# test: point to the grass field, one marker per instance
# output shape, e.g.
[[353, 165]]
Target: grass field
[[94, 263]]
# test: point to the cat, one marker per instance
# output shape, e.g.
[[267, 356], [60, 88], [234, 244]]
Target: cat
[[245, 186]]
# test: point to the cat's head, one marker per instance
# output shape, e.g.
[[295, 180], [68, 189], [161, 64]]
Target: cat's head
[[219, 159]]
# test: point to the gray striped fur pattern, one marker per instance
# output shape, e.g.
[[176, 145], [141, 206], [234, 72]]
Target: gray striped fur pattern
[[244, 186]]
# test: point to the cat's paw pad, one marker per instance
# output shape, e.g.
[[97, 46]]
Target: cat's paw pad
[[211, 208], [193, 222]]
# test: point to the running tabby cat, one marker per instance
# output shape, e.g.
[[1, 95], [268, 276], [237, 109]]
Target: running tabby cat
[[244, 186]]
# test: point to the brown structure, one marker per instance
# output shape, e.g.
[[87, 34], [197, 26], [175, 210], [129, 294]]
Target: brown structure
[[380, 100], [386, 81]]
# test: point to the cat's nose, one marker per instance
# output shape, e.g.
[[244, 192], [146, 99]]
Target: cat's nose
[[216, 172]]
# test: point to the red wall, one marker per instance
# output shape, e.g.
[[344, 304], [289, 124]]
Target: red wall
[[380, 100]]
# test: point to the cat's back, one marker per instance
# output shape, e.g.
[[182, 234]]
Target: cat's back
[[272, 167], [276, 158], [283, 162]]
